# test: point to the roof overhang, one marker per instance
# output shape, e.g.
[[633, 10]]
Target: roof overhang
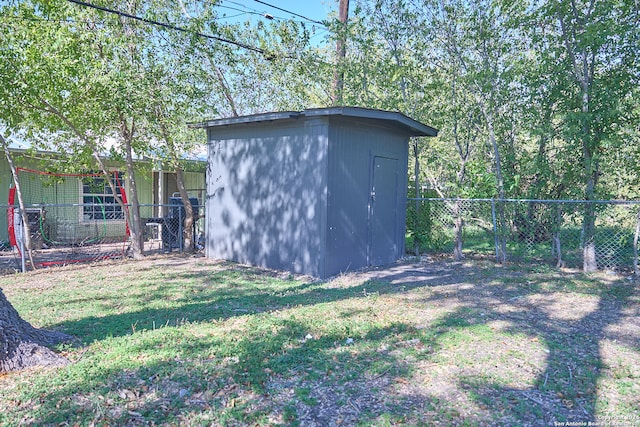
[[413, 127]]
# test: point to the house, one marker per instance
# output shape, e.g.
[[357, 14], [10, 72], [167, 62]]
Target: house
[[319, 191], [73, 207]]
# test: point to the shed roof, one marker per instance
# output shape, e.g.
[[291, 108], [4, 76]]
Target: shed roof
[[413, 127]]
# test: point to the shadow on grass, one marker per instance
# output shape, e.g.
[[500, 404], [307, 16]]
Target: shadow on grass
[[262, 378], [274, 374], [566, 390], [225, 294], [274, 356]]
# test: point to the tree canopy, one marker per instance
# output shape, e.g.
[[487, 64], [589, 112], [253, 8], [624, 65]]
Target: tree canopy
[[533, 99]]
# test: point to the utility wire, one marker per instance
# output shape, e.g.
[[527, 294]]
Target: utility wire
[[292, 13], [232, 16], [172, 27], [244, 6], [266, 15], [249, 10], [61, 21], [242, 11]]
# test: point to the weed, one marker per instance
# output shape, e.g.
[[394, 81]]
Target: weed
[[290, 415]]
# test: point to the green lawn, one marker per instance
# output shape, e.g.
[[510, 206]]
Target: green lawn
[[186, 341]]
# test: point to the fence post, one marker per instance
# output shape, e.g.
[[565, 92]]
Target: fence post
[[20, 233], [416, 224], [636, 236], [495, 229], [557, 243], [180, 229]]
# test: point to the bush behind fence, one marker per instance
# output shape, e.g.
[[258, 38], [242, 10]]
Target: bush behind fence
[[531, 231]]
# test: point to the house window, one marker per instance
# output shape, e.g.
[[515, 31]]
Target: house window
[[98, 200]]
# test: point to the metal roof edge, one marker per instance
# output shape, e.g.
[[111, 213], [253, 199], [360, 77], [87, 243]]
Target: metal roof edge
[[252, 118], [416, 128], [42, 154]]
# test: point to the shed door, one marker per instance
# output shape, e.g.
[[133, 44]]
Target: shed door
[[383, 212]]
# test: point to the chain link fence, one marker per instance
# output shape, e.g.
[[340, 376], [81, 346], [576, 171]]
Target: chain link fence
[[64, 234], [548, 232]]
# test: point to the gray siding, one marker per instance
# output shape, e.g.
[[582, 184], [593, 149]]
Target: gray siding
[[319, 191], [267, 194], [353, 145]]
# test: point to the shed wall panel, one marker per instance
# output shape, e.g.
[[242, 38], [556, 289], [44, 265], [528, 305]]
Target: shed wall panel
[[267, 195], [353, 146]]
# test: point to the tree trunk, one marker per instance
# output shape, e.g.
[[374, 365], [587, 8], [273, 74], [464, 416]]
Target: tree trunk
[[188, 209], [341, 52], [22, 345], [502, 240], [189, 219], [583, 65], [589, 261], [557, 243], [135, 221], [458, 228], [23, 213]]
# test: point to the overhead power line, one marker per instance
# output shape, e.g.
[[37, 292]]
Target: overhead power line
[[172, 27], [292, 13], [242, 12], [266, 15]]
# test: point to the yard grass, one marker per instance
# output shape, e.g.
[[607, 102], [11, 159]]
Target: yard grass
[[188, 341]]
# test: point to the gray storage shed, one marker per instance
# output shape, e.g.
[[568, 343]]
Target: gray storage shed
[[319, 191]]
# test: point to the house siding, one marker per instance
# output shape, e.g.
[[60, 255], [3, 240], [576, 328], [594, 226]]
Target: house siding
[[65, 222]]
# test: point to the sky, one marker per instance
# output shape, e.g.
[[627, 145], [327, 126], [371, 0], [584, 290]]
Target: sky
[[314, 9], [241, 10], [306, 11]]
